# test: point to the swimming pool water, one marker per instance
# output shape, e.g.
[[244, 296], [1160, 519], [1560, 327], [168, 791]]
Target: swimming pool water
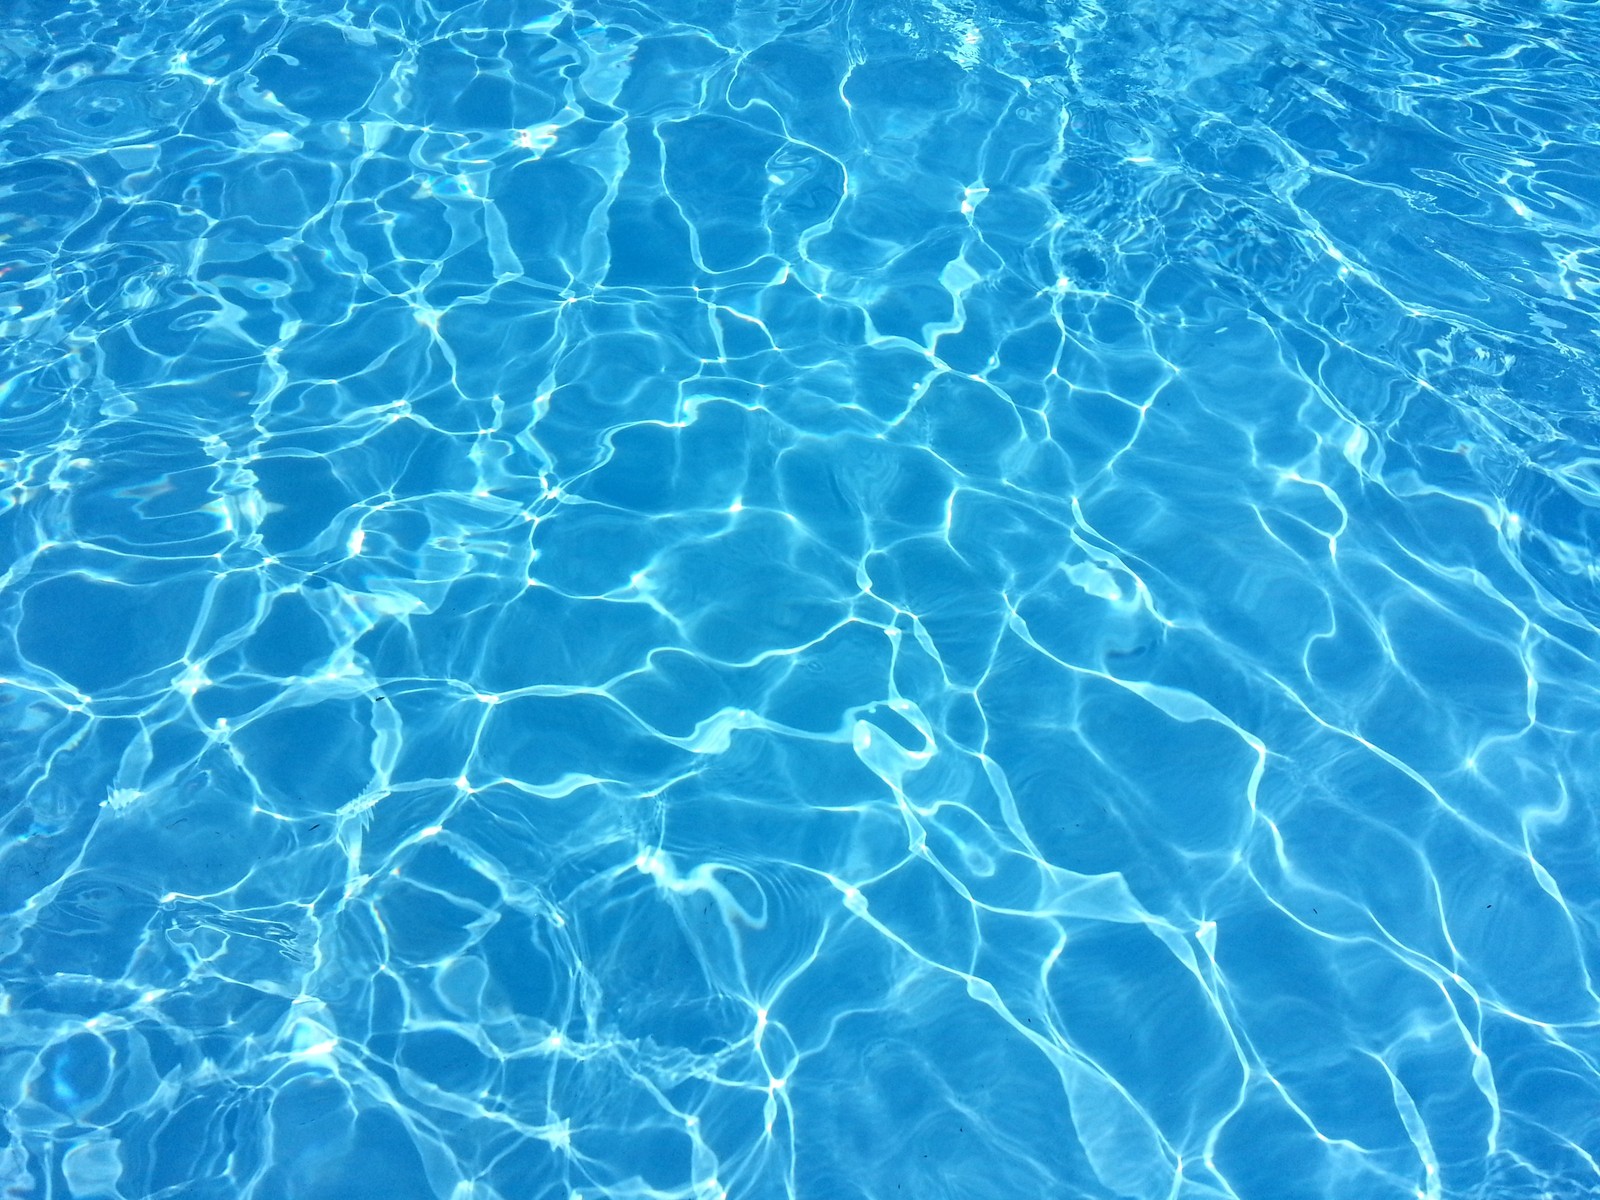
[[929, 598]]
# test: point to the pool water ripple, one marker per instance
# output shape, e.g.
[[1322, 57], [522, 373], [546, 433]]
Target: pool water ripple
[[828, 600]]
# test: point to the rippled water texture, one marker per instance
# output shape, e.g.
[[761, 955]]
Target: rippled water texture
[[910, 599]]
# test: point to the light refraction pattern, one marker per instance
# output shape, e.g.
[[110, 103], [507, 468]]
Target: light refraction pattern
[[926, 598]]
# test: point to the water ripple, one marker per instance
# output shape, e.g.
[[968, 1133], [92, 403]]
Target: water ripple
[[937, 598]]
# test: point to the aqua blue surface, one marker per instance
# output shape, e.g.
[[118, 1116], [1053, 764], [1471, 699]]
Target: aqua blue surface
[[927, 599]]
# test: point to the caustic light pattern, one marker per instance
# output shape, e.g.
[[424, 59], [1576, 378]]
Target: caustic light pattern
[[934, 598]]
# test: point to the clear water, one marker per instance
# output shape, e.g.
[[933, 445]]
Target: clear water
[[911, 599]]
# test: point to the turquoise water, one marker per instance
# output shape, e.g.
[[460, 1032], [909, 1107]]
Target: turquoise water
[[917, 599]]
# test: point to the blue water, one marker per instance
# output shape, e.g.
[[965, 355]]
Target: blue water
[[929, 598]]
